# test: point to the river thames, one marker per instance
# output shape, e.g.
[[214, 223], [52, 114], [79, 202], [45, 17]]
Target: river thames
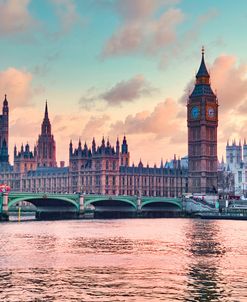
[[124, 260]]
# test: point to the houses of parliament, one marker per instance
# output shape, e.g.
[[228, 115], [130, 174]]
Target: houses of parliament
[[105, 168]]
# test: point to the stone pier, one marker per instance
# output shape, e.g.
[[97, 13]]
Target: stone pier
[[4, 215]]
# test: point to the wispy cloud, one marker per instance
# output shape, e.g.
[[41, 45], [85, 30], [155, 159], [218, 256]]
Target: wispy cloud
[[141, 30], [66, 11], [125, 91], [128, 91]]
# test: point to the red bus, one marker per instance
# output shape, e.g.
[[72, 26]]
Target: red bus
[[4, 188]]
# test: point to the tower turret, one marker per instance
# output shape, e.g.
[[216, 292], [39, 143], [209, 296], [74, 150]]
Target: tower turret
[[93, 146], [46, 148], [124, 146], [124, 153], [15, 151], [4, 132], [79, 144], [117, 146], [70, 148]]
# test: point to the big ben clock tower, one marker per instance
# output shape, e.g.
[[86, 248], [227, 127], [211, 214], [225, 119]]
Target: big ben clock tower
[[202, 121]]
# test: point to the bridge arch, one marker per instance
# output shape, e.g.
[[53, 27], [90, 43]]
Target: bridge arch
[[165, 203], [111, 202], [112, 207], [46, 201]]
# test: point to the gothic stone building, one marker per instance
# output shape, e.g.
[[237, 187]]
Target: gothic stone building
[[103, 169]]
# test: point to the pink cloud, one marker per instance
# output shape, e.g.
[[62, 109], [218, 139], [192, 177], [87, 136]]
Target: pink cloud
[[22, 127], [140, 9], [230, 81], [165, 28], [17, 84], [15, 17], [141, 30], [95, 126], [158, 122]]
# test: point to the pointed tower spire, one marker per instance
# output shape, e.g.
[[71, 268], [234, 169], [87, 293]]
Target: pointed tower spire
[[46, 111], [15, 151], [35, 151], [93, 146], [5, 106], [5, 102], [117, 146], [70, 147], [202, 71], [79, 144], [46, 125], [46, 141], [202, 85], [103, 142]]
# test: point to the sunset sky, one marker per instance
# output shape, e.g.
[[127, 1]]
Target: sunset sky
[[109, 67]]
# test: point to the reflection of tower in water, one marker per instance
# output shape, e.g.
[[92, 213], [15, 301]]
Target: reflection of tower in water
[[205, 282]]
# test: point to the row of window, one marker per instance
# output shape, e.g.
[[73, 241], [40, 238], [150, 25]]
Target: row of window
[[44, 182]]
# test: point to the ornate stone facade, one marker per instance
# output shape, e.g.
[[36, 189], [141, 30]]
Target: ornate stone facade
[[102, 169], [105, 170]]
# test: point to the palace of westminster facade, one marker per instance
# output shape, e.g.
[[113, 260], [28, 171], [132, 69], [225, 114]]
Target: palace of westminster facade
[[102, 169], [106, 169]]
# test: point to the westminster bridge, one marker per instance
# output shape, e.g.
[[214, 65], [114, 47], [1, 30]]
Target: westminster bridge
[[65, 206]]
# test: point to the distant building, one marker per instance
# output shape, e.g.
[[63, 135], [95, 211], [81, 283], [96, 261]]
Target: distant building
[[236, 163]]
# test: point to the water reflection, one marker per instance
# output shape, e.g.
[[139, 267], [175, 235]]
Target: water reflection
[[205, 282], [81, 284], [123, 260]]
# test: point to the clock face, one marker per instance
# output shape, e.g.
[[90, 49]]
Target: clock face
[[195, 112], [211, 112]]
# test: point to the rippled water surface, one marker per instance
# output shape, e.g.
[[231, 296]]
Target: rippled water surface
[[124, 260]]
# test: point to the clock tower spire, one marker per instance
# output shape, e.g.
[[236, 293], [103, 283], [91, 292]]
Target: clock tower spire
[[202, 122]]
